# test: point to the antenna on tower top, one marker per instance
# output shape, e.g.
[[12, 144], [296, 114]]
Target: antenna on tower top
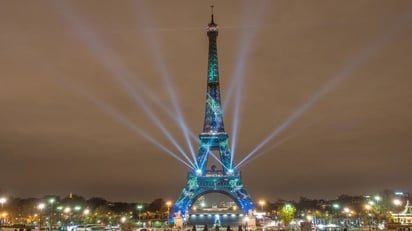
[[211, 10]]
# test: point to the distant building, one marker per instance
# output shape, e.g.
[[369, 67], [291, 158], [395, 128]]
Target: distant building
[[403, 218]]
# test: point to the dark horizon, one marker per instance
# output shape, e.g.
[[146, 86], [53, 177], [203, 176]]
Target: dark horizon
[[384, 193]]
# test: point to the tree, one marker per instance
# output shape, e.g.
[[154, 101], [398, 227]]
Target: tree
[[287, 213], [156, 205], [96, 202]]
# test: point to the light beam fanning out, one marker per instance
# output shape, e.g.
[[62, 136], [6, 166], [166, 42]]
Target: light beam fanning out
[[275, 145], [127, 122], [158, 57], [119, 71], [362, 58], [106, 108], [253, 15]]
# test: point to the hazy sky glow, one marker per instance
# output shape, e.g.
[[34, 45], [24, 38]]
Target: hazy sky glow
[[106, 98]]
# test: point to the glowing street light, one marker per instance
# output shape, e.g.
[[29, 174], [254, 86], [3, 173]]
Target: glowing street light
[[40, 206], [51, 202], [76, 213], [377, 198], [3, 217], [397, 203], [168, 203], [4, 214], [246, 222], [368, 208], [346, 210], [59, 210], [2, 201], [139, 209], [262, 203], [67, 211], [377, 206], [86, 213]]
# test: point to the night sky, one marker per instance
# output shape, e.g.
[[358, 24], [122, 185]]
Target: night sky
[[86, 85]]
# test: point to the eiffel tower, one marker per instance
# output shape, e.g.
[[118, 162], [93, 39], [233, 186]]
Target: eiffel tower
[[201, 180]]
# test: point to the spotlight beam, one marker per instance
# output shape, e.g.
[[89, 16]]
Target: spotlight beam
[[127, 122], [204, 159], [115, 67], [158, 57], [275, 145], [106, 108], [253, 16], [362, 58], [115, 115]]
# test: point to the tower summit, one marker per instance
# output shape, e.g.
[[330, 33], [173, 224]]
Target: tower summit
[[213, 121], [224, 179]]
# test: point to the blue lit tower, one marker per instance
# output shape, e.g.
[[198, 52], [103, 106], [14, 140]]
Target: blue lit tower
[[202, 180]]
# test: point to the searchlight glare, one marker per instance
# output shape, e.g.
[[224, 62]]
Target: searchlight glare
[[198, 172]]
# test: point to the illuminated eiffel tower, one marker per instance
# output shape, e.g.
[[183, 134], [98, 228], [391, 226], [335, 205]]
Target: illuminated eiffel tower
[[200, 180]]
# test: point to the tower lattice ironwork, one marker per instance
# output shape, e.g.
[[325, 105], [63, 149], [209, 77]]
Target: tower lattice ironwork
[[202, 180]]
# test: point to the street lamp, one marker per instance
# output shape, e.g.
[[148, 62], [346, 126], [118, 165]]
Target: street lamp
[[348, 213], [3, 218], [51, 201], [335, 207], [67, 210], [40, 206], [76, 215], [398, 202], [168, 203], [368, 208], [378, 207], [139, 208], [246, 222], [86, 213], [59, 209], [261, 203], [377, 198], [309, 218], [2, 201]]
